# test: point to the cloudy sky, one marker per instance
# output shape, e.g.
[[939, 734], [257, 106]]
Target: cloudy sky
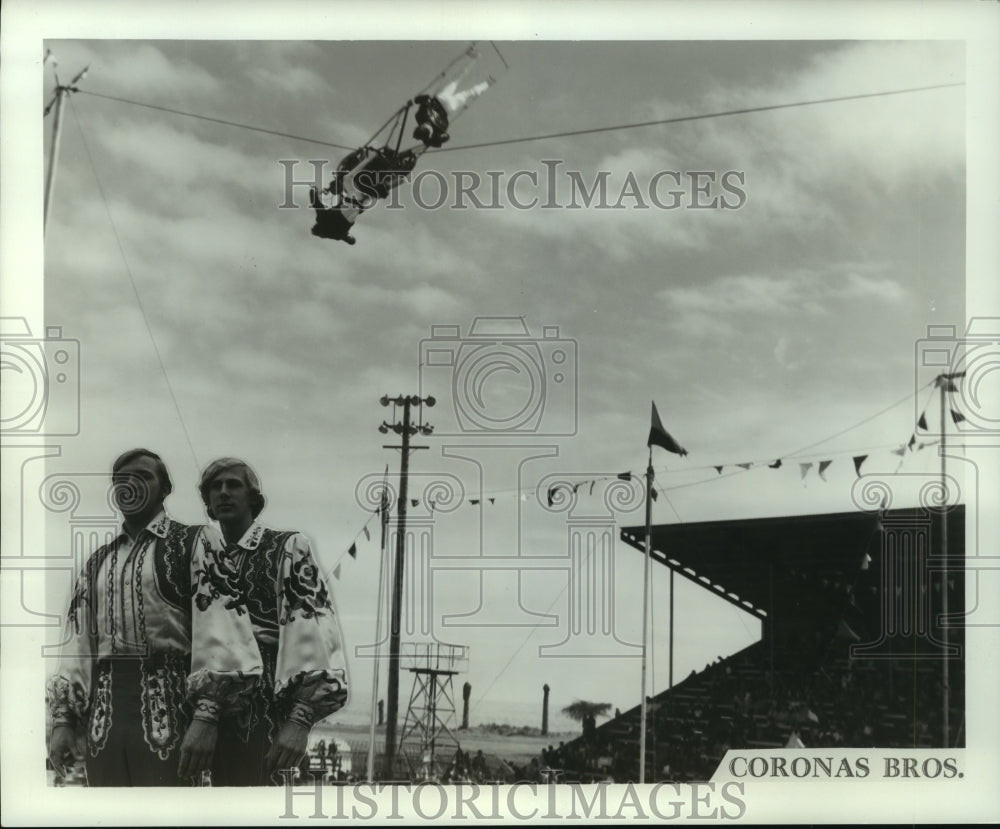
[[212, 323]]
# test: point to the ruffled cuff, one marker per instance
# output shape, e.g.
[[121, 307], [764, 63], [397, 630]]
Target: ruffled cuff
[[66, 701], [229, 689], [322, 692]]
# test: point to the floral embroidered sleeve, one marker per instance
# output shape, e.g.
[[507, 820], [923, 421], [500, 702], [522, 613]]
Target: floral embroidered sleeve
[[225, 661], [67, 692], [311, 675]]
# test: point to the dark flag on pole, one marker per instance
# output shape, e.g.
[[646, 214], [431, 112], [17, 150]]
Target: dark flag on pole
[[658, 436]]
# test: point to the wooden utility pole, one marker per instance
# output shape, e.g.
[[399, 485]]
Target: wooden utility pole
[[404, 429]]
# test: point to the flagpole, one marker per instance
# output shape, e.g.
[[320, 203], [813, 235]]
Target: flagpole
[[383, 520], [670, 676], [645, 616], [945, 691]]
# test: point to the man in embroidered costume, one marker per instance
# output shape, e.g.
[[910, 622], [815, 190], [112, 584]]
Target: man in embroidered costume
[[124, 670], [274, 577]]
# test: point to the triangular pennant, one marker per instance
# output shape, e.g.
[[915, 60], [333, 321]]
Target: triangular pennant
[[493, 500], [414, 502], [804, 468], [654, 493], [625, 476], [718, 469], [474, 501], [353, 551], [744, 465], [901, 451], [658, 436], [368, 535], [823, 466], [550, 495], [956, 417], [775, 465], [433, 504], [858, 460], [913, 440], [922, 422], [336, 572]]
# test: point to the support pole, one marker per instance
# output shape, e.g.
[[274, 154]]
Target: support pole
[[50, 175], [383, 520], [392, 705], [61, 93], [405, 429], [645, 616], [944, 383], [670, 677]]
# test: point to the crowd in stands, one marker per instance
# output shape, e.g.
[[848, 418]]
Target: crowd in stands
[[742, 703]]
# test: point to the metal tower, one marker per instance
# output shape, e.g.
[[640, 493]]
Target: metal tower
[[426, 733]]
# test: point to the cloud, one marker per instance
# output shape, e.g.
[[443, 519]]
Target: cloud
[[120, 67], [806, 165], [857, 286], [291, 79], [754, 294], [171, 160]]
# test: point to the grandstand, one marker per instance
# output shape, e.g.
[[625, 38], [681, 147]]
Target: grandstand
[[853, 649]]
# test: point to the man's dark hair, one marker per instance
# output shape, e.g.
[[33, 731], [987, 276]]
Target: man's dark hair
[[161, 468]]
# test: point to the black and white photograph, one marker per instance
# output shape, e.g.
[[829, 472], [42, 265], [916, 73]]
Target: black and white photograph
[[437, 412]]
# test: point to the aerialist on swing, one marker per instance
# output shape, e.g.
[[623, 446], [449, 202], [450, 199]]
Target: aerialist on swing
[[368, 174]]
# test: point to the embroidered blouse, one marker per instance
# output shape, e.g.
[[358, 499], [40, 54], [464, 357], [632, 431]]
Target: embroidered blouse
[[274, 577], [135, 599]]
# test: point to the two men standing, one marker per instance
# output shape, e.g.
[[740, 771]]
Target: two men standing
[[190, 649]]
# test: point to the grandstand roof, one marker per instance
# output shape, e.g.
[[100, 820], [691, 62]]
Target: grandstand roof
[[733, 559]]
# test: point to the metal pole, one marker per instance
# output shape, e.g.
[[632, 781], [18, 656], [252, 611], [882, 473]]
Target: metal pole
[[392, 704], [671, 672], [50, 175], [944, 383], [432, 722], [645, 616], [61, 92], [383, 518]]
